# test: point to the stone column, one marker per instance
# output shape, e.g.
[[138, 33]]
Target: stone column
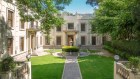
[[30, 72]]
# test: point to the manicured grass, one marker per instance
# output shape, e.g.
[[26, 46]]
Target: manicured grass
[[47, 67], [96, 67]]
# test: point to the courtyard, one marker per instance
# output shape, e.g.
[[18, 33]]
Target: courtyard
[[69, 39], [92, 66]]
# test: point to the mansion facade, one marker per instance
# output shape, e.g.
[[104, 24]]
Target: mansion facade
[[20, 38], [75, 31]]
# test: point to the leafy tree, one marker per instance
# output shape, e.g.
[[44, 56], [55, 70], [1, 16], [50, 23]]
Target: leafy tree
[[44, 10], [136, 17], [119, 18]]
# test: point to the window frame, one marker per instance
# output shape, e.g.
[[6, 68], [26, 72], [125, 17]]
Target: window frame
[[22, 44], [82, 27], [22, 24], [84, 40], [58, 42], [11, 25], [94, 41], [32, 24], [36, 23], [70, 25], [10, 46]]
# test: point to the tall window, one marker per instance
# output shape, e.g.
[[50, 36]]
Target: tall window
[[70, 25], [93, 40], [21, 43], [10, 46], [36, 24], [40, 40], [58, 40], [83, 28], [32, 24], [104, 39], [58, 29], [83, 40], [47, 40], [10, 18], [22, 23]]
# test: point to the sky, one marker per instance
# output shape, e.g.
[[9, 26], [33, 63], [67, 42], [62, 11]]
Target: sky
[[79, 6]]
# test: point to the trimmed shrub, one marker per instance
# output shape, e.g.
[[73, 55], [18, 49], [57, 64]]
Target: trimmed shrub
[[125, 49], [70, 49]]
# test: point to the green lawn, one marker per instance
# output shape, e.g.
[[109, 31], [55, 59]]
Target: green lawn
[[96, 67], [47, 67]]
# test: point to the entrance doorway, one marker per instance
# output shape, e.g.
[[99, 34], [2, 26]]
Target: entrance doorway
[[70, 40]]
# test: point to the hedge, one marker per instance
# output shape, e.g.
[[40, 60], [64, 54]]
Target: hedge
[[125, 49], [70, 49]]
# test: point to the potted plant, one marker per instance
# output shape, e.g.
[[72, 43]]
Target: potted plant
[[134, 64]]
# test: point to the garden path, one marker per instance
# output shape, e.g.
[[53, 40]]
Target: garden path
[[71, 68]]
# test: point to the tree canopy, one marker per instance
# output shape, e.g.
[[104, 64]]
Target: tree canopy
[[119, 18], [44, 10]]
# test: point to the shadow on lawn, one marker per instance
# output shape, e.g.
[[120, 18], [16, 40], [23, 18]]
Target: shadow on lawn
[[47, 71]]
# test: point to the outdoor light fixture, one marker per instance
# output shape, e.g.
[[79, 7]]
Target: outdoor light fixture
[[116, 57], [28, 56]]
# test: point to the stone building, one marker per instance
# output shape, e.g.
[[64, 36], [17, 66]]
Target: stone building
[[75, 31], [18, 38]]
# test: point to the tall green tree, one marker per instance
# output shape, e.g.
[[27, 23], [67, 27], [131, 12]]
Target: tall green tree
[[136, 17], [117, 18], [44, 10]]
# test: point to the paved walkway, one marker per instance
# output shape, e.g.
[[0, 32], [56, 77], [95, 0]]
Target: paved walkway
[[71, 68]]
